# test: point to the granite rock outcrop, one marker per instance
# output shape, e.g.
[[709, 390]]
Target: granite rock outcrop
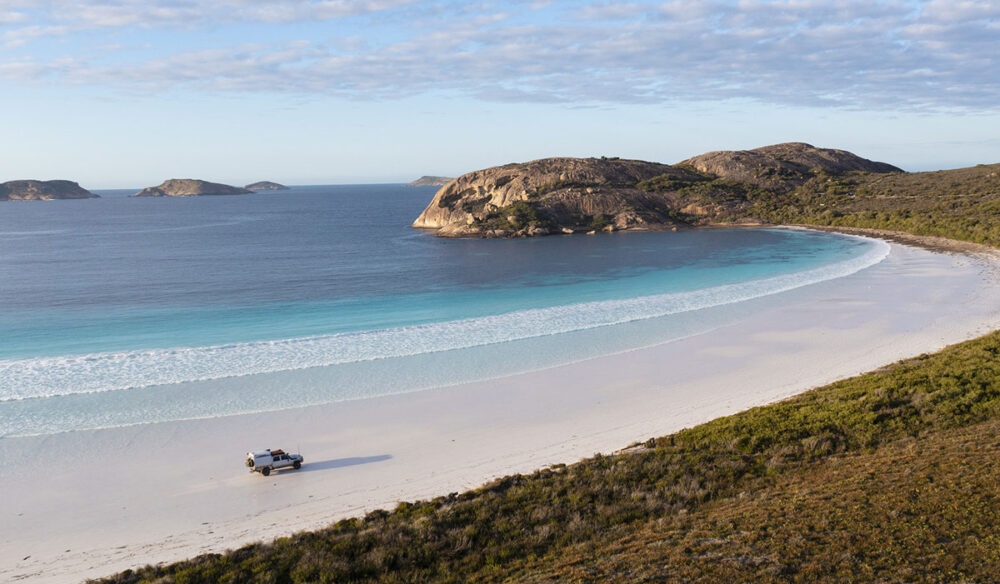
[[573, 195], [186, 187], [782, 167], [430, 181], [43, 190], [265, 185], [550, 195]]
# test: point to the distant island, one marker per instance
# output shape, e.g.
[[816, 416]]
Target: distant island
[[573, 195], [430, 181], [265, 185], [43, 190], [186, 187]]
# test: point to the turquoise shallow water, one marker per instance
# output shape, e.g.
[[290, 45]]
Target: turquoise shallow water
[[125, 310]]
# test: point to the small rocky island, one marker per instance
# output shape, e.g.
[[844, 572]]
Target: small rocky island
[[574, 195], [186, 187], [265, 185], [430, 181], [43, 190]]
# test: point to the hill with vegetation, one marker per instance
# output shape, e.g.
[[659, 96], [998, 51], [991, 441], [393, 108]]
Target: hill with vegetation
[[570, 195], [959, 204], [783, 184], [43, 190], [782, 167], [885, 477], [548, 196], [187, 187]]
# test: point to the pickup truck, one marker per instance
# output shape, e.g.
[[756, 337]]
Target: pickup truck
[[264, 461]]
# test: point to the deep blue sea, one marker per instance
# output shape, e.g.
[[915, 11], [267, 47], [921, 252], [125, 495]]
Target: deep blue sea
[[125, 310]]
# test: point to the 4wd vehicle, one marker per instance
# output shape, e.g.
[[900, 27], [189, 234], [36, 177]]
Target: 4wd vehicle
[[264, 461]]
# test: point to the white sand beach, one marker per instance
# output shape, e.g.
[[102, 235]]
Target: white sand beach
[[90, 503]]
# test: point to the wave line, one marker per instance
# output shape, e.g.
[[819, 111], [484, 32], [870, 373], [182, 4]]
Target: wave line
[[100, 372]]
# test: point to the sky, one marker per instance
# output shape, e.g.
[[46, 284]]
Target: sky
[[128, 93]]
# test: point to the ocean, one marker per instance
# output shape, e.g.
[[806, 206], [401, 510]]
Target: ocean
[[120, 311]]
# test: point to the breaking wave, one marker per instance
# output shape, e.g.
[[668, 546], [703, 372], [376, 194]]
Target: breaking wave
[[55, 376]]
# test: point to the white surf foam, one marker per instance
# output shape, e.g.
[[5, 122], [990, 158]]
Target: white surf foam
[[55, 376]]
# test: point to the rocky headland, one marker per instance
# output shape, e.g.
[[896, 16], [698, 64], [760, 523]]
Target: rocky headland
[[782, 167], [265, 185], [43, 190], [430, 181], [186, 187], [550, 196], [574, 195]]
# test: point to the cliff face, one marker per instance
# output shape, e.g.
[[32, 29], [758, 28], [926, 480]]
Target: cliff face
[[548, 195], [265, 185], [43, 190], [186, 187], [782, 167], [567, 195]]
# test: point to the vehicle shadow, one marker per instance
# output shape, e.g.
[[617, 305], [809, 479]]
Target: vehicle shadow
[[342, 462]]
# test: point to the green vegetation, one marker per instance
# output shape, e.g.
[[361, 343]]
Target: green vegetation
[[515, 217], [729, 194], [560, 185], [718, 199], [681, 177], [595, 222], [448, 201], [958, 204], [889, 476]]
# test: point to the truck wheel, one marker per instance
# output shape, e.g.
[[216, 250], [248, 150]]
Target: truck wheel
[[250, 462], [265, 471], [297, 465]]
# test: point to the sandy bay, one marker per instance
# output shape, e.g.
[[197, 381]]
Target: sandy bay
[[89, 503]]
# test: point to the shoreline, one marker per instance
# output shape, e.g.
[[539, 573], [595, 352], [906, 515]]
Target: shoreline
[[145, 506], [81, 391], [928, 242]]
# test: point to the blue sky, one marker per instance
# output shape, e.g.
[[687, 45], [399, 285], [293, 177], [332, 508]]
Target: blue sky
[[127, 93]]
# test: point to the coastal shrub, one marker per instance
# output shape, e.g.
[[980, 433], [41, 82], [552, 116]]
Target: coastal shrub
[[680, 177], [563, 184], [475, 205], [693, 499], [959, 204], [516, 216], [594, 222], [448, 201]]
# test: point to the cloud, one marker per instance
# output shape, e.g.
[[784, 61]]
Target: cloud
[[605, 11], [20, 36], [300, 10], [961, 11], [81, 14], [888, 55], [12, 17]]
